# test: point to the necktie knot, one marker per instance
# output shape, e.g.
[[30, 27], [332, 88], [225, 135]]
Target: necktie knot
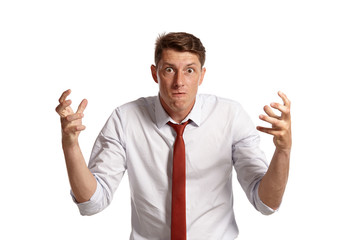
[[179, 128]]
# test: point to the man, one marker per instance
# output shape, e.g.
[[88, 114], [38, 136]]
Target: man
[[179, 149]]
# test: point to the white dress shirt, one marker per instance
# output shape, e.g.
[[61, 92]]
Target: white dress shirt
[[137, 139]]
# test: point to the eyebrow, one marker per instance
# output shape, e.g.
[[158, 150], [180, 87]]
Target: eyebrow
[[172, 65]]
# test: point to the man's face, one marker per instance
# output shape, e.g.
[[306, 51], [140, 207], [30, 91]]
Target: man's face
[[179, 74]]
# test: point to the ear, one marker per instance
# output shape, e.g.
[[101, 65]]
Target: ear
[[203, 70], [154, 73]]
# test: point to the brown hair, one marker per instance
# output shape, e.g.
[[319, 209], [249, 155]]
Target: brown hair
[[179, 41]]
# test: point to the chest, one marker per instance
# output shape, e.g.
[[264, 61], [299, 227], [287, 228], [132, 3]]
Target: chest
[[150, 149]]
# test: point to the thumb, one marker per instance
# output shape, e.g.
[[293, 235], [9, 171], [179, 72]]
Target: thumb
[[82, 106]]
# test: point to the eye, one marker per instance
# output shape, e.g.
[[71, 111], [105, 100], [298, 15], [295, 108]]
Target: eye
[[169, 70], [190, 70]]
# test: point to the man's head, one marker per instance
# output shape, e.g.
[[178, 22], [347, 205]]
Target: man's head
[[179, 59], [181, 42]]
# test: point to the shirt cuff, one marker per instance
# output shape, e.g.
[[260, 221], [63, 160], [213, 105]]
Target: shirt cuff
[[260, 206], [92, 206]]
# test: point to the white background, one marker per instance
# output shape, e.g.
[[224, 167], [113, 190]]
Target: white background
[[103, 50]]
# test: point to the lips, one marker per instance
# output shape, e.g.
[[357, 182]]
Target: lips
[[178, 93]]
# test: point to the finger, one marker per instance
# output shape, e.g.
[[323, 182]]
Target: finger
[[283, 109], [64, 95], [74, 129], [82, 106], [284, 98], [271, 120], [75, 116], [270, 112], [270, 131], [80, 128], [62, 106]]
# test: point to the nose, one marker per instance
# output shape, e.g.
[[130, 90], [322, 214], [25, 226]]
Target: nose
[[179, 80]]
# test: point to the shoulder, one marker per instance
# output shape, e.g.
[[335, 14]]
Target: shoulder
[[222, 109], [137, 106], [227, 114], [139, 109], [138, 103], [219, 103]]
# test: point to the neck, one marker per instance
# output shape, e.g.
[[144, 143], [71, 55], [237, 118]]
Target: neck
[[177, 115]]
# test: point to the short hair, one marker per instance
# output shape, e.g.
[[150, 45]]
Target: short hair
[[179, 41]]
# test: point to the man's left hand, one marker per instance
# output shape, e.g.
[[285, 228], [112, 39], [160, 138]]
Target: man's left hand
[[281, 125]]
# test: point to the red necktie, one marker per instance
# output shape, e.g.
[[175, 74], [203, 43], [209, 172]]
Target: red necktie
[[178, 202]]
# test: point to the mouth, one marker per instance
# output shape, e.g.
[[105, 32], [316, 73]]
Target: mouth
[[178, 94]]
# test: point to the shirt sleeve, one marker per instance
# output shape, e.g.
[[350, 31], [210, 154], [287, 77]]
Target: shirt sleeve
[[249, 161], [108, 165], [94, 205]]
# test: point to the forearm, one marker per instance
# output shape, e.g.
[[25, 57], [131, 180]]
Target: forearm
[[272, 186], [82, 181]]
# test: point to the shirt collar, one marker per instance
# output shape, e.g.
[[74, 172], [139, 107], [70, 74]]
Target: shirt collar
[[162, 117]]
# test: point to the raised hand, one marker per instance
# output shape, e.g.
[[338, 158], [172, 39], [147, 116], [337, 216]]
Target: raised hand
[[82, 181], [281, 125], [71, 123]]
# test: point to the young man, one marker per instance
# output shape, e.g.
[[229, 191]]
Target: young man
[[179, 149]]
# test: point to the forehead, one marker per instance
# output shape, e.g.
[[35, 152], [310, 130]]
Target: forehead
[[171, 56]]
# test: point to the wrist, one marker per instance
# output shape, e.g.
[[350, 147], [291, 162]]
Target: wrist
[[69, 142], [283, 151]]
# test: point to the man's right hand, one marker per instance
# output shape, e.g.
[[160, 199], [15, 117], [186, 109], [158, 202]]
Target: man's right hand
[[71, 123], [82, 181]]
